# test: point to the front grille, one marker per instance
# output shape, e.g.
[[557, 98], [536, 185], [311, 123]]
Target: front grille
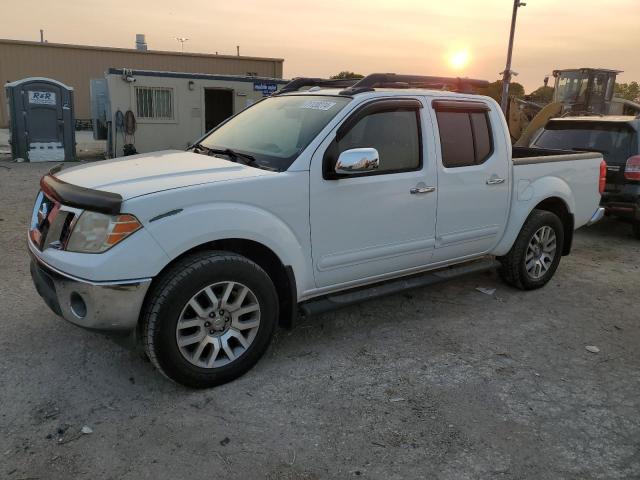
[[50, 223], [66, 228]]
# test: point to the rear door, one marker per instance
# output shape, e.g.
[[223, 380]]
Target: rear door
[[473, 178]]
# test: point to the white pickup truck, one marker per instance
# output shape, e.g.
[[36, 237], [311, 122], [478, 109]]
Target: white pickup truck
[[322, 195]]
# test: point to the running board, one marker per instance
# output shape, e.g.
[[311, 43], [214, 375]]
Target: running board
[[343, 299]]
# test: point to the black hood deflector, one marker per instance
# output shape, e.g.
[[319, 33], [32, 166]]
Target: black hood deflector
[[80, 197]]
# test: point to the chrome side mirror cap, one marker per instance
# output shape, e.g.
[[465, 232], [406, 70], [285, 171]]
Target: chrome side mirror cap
[[357, 160]]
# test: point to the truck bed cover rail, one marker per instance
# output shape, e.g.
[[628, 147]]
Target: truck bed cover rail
[[529, 156]]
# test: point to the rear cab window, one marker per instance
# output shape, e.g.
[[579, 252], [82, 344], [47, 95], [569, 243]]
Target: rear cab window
[[465, 132]]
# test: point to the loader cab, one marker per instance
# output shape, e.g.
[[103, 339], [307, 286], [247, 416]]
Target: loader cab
[[584, 90]]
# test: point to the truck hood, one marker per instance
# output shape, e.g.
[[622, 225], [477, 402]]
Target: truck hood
[[153, 172]]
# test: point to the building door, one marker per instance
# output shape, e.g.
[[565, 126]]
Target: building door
[[218, 106]]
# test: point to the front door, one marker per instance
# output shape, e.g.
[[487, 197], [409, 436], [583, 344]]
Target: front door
[[370, 225], [473, 179], [218, 106]]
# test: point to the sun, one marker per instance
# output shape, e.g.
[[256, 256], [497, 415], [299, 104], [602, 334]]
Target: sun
[[459, 59]]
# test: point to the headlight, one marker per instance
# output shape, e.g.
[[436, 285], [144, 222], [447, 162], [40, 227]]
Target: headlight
[[96, 232]]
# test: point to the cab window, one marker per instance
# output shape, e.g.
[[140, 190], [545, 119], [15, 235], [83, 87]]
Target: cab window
[[465, 133], [392, 127], [393, 134]]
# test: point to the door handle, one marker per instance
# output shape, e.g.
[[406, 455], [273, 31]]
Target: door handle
[[418, 190], [495, 181]]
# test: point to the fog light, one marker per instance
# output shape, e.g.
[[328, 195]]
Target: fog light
[[78, 306]]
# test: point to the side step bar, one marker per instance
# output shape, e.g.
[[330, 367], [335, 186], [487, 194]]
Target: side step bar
[[350, 297]]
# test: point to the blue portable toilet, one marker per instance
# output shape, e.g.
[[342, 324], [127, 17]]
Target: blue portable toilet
[[41, 120]]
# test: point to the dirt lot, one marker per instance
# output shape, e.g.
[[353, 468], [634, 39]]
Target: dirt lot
[[445, 383]]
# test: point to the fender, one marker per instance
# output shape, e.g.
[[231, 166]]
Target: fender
[[225, 220], [526, 196]]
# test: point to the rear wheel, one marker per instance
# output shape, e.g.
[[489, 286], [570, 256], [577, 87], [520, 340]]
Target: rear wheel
[[535, 255], [209, 319], [636, 229]]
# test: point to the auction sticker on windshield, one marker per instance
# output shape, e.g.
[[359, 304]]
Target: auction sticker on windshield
[[318, 105]]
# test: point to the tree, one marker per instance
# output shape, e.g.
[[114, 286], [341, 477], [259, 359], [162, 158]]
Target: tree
[[345, 75], [628, 91], [542, 95], [494, 90]]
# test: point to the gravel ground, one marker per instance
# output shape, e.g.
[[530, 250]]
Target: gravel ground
[[439, 383]]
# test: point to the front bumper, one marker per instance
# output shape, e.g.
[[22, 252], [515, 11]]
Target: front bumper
[[112, 306]]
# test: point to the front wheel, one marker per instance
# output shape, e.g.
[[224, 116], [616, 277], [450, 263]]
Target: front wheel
[[209, 318], [636, 229], [535, 255]]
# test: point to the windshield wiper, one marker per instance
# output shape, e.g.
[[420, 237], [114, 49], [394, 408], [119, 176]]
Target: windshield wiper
[[233, 155], [248, 159], [198, 146]]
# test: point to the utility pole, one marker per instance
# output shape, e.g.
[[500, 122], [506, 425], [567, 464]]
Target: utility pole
[[506, 75]]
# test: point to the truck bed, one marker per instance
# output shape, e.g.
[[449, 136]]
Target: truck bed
[[572, 176]]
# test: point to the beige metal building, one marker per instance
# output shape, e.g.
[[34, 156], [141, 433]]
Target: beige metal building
[[173, 109], [76, 65]]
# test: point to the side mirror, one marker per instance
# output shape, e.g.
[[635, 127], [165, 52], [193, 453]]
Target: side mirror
[[357, 160]]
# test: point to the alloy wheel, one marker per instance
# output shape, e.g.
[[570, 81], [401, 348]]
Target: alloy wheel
[[218, 324], [541, 252]]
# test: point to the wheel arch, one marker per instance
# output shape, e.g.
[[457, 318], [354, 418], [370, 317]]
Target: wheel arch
[[559, 207], [554, 204], [282, 275]]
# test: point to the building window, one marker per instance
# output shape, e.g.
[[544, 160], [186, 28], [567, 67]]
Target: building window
[[154, 103]]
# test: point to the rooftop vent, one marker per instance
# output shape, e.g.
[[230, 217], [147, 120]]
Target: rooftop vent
[[141, 43]]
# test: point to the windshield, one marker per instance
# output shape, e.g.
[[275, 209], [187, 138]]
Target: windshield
[[613, 140], [570, 87], [276, 130]]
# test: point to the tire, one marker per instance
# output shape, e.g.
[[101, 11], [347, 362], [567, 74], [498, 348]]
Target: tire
[[636, 229], [514, 269], [180, 308]]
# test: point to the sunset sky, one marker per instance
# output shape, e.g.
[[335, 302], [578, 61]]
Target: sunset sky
[[323, 38]]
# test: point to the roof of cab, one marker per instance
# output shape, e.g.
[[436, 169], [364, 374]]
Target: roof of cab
[[354, 86]]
